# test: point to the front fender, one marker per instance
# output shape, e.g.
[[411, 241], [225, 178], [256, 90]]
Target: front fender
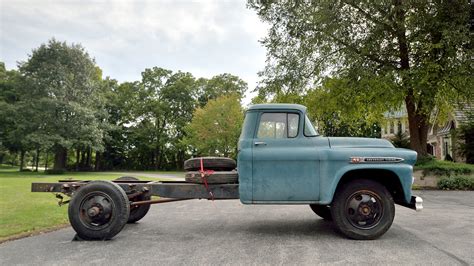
[[404, 173]]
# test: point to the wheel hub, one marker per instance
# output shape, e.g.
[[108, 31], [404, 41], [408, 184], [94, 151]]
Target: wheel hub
[[96, 210], [364, 209]]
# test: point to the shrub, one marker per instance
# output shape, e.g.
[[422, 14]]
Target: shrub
[[444, 168], [55, 171], [425, 160], [456, 183], [401, 140]]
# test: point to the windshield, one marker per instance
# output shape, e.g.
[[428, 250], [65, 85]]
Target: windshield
[[309, 130]]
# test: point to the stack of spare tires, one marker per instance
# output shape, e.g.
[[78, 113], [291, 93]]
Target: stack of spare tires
[[220, 170]]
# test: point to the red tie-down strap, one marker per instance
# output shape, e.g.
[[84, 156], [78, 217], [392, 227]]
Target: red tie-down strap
[[204, 175]]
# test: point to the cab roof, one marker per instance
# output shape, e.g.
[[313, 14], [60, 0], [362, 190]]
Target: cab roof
[[278, 106]]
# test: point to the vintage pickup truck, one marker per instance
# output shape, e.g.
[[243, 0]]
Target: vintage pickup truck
[[354, 182]]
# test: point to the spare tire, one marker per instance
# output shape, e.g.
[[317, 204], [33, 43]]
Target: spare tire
[[210, 163], [223, 177]]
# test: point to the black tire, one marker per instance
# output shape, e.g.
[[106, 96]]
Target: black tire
[[223, 177], [127, 178], [210, 163], [363, 209], [322, 211], [99, 210], [137, 212]]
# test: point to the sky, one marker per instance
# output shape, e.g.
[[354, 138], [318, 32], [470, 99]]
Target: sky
[[205, 38]]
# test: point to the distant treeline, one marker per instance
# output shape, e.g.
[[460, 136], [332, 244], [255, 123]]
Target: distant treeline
[[57, 111]]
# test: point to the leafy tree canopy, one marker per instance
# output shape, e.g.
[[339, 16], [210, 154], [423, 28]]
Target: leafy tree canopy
[[215, 128], [60, 98], [382, 55]]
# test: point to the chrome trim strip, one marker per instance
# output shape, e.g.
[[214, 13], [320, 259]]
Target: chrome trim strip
[[356, 160]]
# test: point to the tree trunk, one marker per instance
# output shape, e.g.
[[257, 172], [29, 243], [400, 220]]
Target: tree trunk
[[78, 154], [88, 158], [37, 160], [97, 161], [46, 162], [418, 126], [417, 121], [60, 158], [22, 159], [83, 159], [14, 159], [180, 159]]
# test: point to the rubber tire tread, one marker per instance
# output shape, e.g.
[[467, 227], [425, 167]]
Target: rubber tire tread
[[138, 212], [338, 212], [222, 177], [120, 212], [322, 211], [210, 163]]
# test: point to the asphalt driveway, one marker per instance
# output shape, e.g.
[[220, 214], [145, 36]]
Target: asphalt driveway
[[227, 232]]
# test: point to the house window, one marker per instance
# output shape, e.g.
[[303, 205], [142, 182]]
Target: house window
[[392, 127], [399, 127], [446, 148], [430, 149]]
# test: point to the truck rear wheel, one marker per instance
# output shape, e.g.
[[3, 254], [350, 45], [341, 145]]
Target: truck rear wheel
[[363, 209], [210, 163], [99, 210], [137, 212], [322, 211]]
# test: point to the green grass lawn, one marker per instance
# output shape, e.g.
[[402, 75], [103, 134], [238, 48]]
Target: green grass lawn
[[23, 212]]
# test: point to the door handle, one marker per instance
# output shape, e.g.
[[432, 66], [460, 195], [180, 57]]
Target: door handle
[[258, 143]]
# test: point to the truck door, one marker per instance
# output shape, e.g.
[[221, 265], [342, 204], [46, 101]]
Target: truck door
[[285, 162]]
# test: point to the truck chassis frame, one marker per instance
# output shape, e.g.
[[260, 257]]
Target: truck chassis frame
[[168, 190]]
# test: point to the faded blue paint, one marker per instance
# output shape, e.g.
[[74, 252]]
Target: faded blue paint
[[244, 157], [278, 107], [304, 170]]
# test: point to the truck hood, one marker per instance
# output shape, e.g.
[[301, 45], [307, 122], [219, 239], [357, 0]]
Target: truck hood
[[346, 142]]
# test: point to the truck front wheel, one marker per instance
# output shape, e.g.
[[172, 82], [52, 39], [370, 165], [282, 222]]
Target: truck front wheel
[[363, 209]]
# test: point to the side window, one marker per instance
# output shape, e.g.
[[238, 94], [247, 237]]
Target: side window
[[293, 121], [278, 125]]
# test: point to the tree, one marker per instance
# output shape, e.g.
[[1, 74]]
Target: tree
[[178, 97], [466, 135], [61, 93], [13, 129], [219, 85], [340, 114], [418, 53], [215, 128]]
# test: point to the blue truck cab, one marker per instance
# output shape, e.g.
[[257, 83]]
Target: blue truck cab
[[353, 181]]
